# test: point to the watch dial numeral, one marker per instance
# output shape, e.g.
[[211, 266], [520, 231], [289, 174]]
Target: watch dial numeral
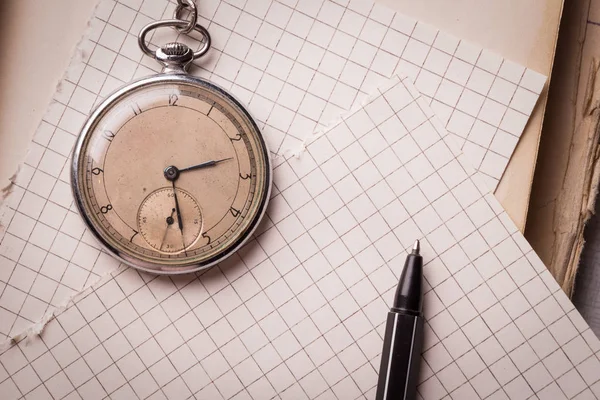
[[97, 171], [105, 209], [237, 138], [136, 109], [173, 98], [234, 212], [205, 236], [134, 235], [109, 135], [244, 177]]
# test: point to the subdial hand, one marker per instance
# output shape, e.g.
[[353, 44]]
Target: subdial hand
[[169, 223], [179, 221], [172, 172]]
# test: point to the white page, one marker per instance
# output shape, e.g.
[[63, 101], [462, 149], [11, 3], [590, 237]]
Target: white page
[[299, 312]]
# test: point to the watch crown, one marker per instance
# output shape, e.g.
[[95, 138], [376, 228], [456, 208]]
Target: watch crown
[[175, 49], [174, 56]]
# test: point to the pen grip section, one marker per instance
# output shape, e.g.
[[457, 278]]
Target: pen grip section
[[401, 357]]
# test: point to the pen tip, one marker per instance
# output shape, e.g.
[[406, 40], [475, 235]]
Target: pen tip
[[416, 247]]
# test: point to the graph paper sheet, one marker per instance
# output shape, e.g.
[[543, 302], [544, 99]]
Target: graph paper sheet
[[296, 64], [299, 312]]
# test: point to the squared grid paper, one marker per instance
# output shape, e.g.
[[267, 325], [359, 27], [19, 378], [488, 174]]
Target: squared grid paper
[[340, 54], [299, 312], [47, 255]]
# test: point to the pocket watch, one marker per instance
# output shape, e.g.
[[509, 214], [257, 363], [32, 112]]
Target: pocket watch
[[170, 172]]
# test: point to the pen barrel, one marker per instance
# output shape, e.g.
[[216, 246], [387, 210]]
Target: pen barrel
[[401, 357]]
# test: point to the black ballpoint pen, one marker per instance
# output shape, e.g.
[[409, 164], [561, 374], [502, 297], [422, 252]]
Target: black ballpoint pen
[[401, 356]]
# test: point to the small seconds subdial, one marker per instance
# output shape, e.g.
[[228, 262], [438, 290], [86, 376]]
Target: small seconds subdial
[[158, 220]]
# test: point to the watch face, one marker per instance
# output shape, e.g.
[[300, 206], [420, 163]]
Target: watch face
[[171, 174]]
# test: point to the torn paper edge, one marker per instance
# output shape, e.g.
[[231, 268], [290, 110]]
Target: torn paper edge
[[38, 327], [77, 56], [591, 117], [5, 193], [480, 179], [311, 137]]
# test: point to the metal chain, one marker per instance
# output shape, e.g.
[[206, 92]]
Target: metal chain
[[189, 6]]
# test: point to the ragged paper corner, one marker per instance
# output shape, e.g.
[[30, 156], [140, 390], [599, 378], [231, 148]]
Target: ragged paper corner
[[566, 183]]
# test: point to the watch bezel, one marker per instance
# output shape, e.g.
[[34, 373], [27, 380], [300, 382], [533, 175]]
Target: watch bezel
[[79, 199]]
